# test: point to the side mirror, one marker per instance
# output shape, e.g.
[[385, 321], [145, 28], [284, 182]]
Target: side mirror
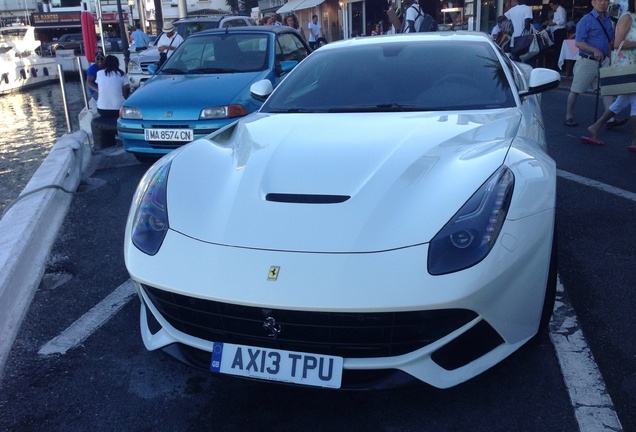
[[288, 65], [152, 69], [261, 90], [541, 80]]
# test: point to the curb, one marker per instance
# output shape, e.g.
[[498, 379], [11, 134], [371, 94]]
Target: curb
[[29, 229]]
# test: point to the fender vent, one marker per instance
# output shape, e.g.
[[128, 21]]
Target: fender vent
[[306, 199]]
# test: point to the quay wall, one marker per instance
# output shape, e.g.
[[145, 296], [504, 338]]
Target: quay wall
[[29, 228]]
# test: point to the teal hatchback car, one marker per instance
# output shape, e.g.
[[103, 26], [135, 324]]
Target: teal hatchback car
[[205, 85]]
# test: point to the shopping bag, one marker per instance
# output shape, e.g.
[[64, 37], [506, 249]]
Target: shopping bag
[[619, 77], [522, 44], [533, 49], [546, 39]]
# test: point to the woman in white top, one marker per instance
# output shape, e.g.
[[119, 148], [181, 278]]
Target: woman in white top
[[113, 88]]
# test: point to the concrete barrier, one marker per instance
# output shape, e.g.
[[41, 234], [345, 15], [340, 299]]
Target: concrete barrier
[[29, 228]]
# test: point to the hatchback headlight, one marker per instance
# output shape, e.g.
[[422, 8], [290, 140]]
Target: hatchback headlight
[[130, 113], [470, 235], [221, 112], [150, 224]]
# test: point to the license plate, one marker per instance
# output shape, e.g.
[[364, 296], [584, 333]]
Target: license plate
[[183, 135], [278, 365]]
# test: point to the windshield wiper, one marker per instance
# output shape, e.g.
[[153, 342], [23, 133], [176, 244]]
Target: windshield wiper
[[174, 71], [213, 70], [388, 107], [293, 110]]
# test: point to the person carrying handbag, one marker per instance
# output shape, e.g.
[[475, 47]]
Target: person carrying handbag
[[625, 44], [168, 42]]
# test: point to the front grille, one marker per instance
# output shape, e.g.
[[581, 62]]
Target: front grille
[[352, 335], [144, 67]]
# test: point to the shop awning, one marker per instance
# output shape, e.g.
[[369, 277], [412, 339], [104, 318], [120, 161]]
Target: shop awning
[[294, 5], [310, 3], [290, 6]]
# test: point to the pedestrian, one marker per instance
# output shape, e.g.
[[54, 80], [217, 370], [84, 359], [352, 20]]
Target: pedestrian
[[292, 21], [494, 33], [113, 88], [413, 17], [315, 32], [140, 40], [556, 27], [168, 42], [593, 35], [625, 34], [518, 14], [91, 75]]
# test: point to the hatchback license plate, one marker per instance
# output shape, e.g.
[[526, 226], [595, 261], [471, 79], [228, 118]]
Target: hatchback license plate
[[182, 135], [278, 365]]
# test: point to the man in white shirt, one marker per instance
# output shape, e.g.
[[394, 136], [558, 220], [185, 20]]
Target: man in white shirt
[[412, 17], [315, 32], [556, 26], [169, 40], [518, 15]]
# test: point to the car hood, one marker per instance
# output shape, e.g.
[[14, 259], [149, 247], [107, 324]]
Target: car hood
[[183, 96], [335, 182], [151, 55]]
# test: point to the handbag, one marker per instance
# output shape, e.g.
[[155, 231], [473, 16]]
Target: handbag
[[618, 78], [163, 56], [522, 44], [546, 39]]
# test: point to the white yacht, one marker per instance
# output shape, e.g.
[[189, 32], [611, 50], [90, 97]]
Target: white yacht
[[20, 65]]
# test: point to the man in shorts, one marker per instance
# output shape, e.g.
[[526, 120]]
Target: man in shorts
[[594, 33]]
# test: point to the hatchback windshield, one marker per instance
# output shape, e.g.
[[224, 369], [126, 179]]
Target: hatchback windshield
[[396, 76], [219, 53]]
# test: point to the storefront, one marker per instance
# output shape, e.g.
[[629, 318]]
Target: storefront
[[52, 25]]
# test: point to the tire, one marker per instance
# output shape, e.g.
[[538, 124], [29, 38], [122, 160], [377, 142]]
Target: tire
[[550, 291]]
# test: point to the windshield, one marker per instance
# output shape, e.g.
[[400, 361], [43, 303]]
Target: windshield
[[219, 53], [396, 76]]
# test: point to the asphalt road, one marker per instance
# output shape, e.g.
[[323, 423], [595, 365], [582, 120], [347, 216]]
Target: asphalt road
[[110, 382]]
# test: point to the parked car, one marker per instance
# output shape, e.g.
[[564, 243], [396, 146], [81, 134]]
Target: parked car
[[138, 65], [205, 85], [387, 215], [113, 44], [69, 41]]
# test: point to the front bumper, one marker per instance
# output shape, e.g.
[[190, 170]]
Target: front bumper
[[499, 300], [131, 132]]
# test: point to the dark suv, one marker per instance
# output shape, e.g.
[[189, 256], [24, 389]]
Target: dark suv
[[138, 65], [72, 41]]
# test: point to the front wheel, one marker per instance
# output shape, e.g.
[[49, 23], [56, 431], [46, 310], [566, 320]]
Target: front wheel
[[550, 291]]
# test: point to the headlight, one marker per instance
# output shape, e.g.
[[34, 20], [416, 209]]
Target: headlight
[[470, 235], [150, 223], [130, 113], [221, 112], [133, 67]]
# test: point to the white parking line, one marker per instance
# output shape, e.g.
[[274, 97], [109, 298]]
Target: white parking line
[[597, 185], [88, 323], [593, 407]]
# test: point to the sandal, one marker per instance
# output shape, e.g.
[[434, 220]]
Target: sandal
[[592, 140], [571, 122], [616, 123]]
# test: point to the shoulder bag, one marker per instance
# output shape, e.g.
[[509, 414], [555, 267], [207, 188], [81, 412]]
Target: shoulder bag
[[619, 77]]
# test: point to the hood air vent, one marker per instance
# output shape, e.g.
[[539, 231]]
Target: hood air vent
[[306, 199]]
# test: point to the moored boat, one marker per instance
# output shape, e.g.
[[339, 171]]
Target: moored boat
[[20, 66]]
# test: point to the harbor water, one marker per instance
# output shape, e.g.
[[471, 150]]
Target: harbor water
[[31, 123]]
